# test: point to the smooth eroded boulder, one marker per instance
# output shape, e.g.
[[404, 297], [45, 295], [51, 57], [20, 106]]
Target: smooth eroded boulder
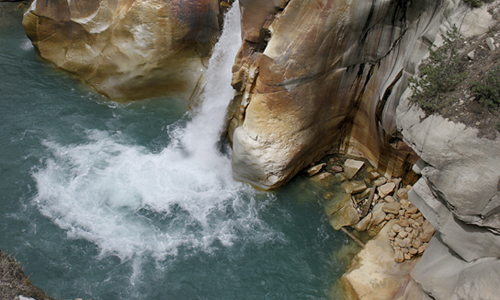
[[127, 49]]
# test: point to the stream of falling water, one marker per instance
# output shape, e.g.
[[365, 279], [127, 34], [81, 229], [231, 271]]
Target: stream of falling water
[[112, 201]]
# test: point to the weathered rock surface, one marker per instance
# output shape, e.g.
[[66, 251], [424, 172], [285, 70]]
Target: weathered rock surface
[[127, 49], [329, 82], [374, 273], [459, 195]]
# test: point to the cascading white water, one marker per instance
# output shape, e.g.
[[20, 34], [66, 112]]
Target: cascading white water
[[131, 202]]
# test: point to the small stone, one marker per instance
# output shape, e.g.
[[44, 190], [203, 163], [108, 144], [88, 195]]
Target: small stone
[[380, 181], [401, 212], [428, 232], [491, 43], [419, 220], [405, 250], [408, 229], [373, 175], [402, 193], [363, 224], [413, 251], [391, 208], [471, 54], [404, 223], [391, 233], [407, 256], [378, 214], [341, 177], [406, 242], [352, 167], [390, 199], [416, 216], [416, 243], [386, 189], [391, 216], [364, 194], [412, 209], [422, 248], [315, 169], [402, 234], [337, 169], [399, 256], [397, 228], [404, 203], [381, 225]]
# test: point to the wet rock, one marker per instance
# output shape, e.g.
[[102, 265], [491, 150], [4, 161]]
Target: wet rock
[[386, 189], [351, 167], [346, 216], [341, 177], [315, 169], [336, 202], [391, 207], [353, 187], [337, 169], [363, 224], [323, 177]]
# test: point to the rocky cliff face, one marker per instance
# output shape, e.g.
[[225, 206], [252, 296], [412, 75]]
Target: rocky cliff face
[[317, 76], [459, 195], [127, 49]]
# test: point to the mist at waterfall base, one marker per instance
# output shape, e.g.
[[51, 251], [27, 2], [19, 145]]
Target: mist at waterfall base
[[135, 201]]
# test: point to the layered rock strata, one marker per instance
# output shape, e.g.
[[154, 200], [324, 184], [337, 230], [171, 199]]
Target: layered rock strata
[[127, 49], [319, 76], [459, 195]]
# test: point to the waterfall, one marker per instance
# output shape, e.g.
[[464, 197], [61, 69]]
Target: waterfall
[[132, 202]]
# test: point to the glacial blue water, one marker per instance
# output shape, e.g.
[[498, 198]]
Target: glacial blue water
[[101, 200]]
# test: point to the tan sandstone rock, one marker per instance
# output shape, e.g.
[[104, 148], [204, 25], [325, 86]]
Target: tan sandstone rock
[[127, 49]]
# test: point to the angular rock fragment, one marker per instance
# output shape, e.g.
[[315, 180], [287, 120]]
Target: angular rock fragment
[[391, 207], [315, 169], [386, 189], [353, 187], [351, 167]]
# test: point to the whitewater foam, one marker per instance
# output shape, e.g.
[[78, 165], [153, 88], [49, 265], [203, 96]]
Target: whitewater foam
[[132, 202]]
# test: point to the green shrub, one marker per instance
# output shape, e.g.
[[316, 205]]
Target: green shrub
[[440, 74], [487, 92]]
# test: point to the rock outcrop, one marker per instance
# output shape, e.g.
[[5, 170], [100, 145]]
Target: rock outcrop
[[127, 49], [459, 195], [320, 76]]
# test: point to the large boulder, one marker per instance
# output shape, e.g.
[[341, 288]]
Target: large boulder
[[319, 76], [127, 49]]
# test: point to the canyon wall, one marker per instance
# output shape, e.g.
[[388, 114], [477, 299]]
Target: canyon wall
[[127, 49], [320, 76], [459, 195]]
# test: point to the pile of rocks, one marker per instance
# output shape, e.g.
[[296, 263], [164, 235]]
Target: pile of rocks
[[366, 201]]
